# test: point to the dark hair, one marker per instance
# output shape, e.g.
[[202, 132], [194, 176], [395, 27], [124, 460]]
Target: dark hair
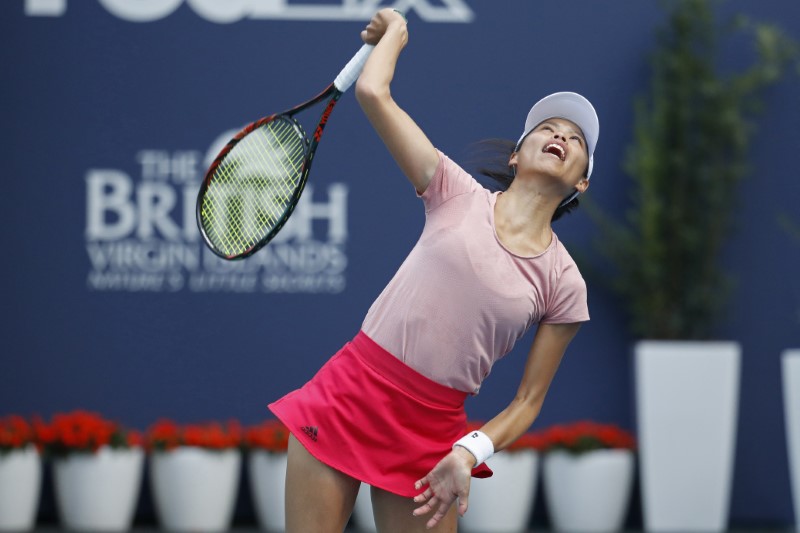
[[490, 157]]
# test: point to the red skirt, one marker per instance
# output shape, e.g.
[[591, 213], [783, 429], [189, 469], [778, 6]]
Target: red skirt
[[372, 417]]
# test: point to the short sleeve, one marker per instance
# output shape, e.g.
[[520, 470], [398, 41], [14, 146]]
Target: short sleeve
[[569, 301], [449, 180]]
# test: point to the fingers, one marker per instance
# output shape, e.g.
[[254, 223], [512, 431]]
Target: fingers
[[434, 502], [370, 35], [424, 509], [378, 24], [446, 483], [430, 499], [424, 496], [439, 504], [463, 503], [441, 512]]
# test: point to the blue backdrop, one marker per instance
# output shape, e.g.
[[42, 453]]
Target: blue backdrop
[[112, 108]]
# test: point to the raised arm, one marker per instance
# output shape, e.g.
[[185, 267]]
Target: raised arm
[[408, 144]]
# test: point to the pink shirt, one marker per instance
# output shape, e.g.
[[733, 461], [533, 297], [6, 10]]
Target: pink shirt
[[461, 300]]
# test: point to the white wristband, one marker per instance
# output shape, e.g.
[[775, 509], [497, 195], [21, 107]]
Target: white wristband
[[478, 444]]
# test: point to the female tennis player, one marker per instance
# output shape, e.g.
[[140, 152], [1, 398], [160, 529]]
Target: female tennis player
[[388, 408]]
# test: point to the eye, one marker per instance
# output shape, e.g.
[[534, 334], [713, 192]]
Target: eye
[[547, 128], [576, 138]]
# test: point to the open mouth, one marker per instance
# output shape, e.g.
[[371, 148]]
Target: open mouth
[[556, 149]]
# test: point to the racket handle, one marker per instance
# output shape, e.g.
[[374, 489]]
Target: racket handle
[[352, 69]]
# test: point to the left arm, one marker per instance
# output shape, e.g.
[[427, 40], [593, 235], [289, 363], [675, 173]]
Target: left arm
[[545, 355], [450, 478]]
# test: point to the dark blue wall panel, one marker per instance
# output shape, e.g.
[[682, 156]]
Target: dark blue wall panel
[[110, 113]]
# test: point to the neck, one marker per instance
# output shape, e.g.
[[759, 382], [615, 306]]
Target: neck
[[522, 220]]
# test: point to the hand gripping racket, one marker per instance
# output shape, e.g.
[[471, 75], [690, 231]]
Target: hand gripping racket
[[254, 184]]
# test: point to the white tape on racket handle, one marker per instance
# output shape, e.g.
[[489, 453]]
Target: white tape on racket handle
[[353, 68]]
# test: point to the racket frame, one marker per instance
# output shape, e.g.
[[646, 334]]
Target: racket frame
[[310, 145], [341, 83]]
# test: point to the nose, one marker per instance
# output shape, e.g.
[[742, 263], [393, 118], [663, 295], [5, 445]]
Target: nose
[[559, 135]]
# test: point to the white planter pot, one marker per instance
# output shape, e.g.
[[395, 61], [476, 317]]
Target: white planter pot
[[503, 502], [195, 489], [687, 403], [363, 518], [98, 491], [791, 409], [20, 488], [267, 472], [588, 492]]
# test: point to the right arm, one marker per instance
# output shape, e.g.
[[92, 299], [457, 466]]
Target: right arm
[[410, 147]]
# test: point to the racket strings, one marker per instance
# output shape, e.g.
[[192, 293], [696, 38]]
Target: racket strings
[[253, 186]]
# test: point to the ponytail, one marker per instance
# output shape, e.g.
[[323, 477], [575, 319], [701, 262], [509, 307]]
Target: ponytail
[[491, 157]]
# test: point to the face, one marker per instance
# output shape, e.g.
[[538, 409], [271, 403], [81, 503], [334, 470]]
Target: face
[[555, 147]]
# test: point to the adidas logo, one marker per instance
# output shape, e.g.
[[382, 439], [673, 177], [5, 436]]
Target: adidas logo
[[311, 431]]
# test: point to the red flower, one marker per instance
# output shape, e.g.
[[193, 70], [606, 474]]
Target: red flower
[[135, 439], [576, 437], [528, 441], [584, 436], [167, 435], [164, 435], [79, 431], [270, 435], [15, 432]]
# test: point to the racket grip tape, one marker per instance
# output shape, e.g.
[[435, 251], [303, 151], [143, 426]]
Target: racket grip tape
[[353, 68]]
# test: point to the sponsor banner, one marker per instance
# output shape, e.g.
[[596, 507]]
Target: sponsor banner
[[229, 11], [141, 234]]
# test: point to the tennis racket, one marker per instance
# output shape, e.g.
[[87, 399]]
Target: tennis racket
[[254, 184]]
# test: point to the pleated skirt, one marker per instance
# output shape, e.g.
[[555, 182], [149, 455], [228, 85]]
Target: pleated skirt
[[372, 417]]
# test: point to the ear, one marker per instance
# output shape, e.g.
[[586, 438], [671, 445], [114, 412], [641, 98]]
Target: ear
[[513, 159], [582, 185]]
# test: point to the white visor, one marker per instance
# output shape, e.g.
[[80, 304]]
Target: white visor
[[570, 106]]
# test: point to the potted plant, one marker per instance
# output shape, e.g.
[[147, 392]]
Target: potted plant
[[20, 474], [587, 475], [97, 470], [505, 501], [363, 518], [689, 153], [790, 371], [194, 474], [267, 444]]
